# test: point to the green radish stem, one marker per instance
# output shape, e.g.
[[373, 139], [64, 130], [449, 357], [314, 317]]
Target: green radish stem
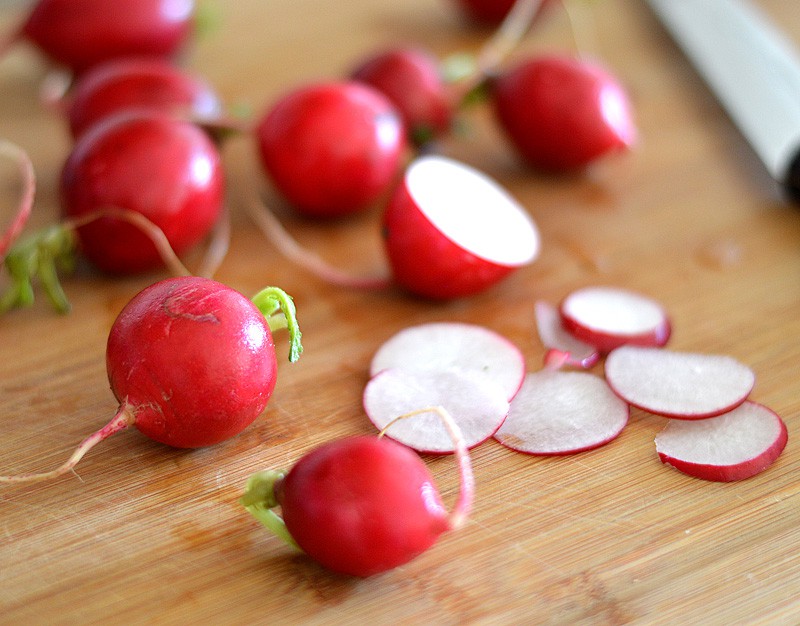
[[280, 312]]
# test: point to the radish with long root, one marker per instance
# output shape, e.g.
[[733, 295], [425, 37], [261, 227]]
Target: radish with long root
[[361, 505], [24, 205], [192, 363]]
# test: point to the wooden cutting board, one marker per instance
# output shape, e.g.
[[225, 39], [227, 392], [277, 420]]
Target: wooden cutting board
[[141, 533]]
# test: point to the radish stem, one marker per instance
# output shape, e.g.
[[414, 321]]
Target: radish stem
[[259, 500], [280, 312]]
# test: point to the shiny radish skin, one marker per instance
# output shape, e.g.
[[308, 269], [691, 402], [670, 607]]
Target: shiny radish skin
[[561, 113], [362, 505], [168, 170], [412, 80], [332, 148], [139, 83], [78, 34]]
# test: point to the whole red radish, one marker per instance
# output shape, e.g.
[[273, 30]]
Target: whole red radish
[[191, 362], [562, 113], [148, 162], [412, 80], [139, 83], [332, 148], [80, 33]]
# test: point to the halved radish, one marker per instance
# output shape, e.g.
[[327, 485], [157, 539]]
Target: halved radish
[[556, 413], [608, 317], [446, 345], [571, 350], [733, 446], [452, 231], [682, 385], [477, 405]]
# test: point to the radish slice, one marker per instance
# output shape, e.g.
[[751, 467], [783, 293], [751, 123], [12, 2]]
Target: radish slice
[[448, 345], [452, 231], [558, 413], [733, 446], [682, 385], [477, 405], [607, 317], [573, 351]]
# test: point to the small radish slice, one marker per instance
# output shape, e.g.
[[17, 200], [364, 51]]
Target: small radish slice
[[733, 446], [681, 385], [557, 413], [447, 345], [572, 351], [477, 405], [608, 317]]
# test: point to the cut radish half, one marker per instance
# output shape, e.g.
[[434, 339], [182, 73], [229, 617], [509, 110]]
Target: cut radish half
[[477, 405], [446, 345], [608, 317], [572, 351], [733, 446], [682, 385], [452, 231], [558, 413]]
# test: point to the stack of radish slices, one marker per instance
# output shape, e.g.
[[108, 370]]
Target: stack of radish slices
[[713, 432]]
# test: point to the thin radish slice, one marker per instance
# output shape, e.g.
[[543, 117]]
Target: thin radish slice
[[573, 351], [608, 317], [733, 446], [683, 385], [558, 413], [477, 405], [446, 345]]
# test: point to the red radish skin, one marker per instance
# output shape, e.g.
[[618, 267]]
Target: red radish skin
[[561, 113], [491, 12], [332, 148], [451, 231], [139, 83], [167, 170], [733, 446], [192, 363]]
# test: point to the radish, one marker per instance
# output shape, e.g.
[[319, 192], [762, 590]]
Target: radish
[[608, 317], [557, 413], [491, 12], [477, 404], [191, 362], [148, 162], [453, 345], [682, 385], [80, 33], [562, 113], [139, 83], [24, 206], [332, 148], [360, 505], [561, 344], [733, 446]]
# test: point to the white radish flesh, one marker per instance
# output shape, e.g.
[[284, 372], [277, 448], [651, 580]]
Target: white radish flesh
[[608, 317], [682, 385], [477, 405], [572, 351], [557, 413], [446, 345], [733, 446]]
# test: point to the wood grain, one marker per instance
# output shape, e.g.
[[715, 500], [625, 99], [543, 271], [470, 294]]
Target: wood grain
[[144, 534]]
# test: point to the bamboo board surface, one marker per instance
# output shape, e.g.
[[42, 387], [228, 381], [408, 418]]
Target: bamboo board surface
[[144, 534]]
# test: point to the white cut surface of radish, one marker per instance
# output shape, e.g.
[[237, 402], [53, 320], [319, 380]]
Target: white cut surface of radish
[[733, 446], [608, 317], [682, 385], [557, 413], [477, 405], [448, 345], [554, 337], [487, 220]]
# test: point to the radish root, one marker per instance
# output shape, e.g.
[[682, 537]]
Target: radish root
[[17, 154]]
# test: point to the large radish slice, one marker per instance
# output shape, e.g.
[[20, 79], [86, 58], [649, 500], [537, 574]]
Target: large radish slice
[[477, 405], [452, 231], [682, 385], [557, 413], [446, 345], [608, 317], [733, 446], [563, 345]]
